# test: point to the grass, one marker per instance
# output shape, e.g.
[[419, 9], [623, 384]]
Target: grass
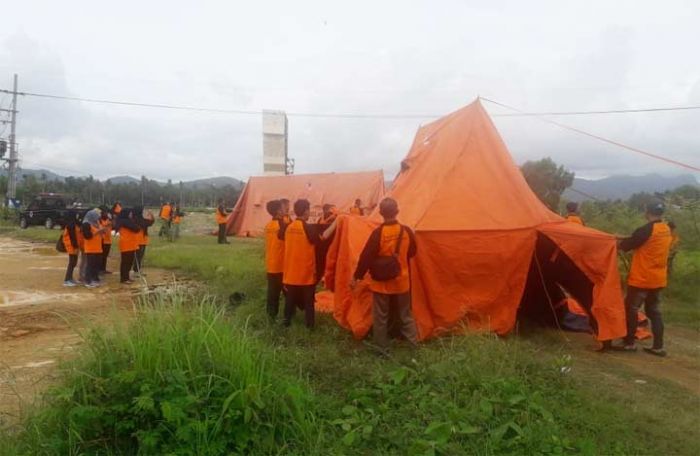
[[463, 395]]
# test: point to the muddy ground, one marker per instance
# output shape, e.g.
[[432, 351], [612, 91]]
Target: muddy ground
[[40, 319]]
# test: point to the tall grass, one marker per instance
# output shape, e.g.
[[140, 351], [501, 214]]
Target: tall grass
[[179, 379]]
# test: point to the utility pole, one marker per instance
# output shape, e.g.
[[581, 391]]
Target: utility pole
[[12, 161]]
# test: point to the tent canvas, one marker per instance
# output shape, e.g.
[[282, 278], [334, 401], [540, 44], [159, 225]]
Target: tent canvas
[[249, 216], [481, 233]]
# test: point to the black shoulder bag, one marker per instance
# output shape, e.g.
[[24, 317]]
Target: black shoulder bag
[[385, 268]]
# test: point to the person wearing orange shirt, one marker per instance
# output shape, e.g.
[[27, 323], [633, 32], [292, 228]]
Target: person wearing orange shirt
[[221, 218], [106, 223], [71, 233], [165, 215], [92, 245], [274, 257], [647, 277], [386, 256], [177, 220], [357, 208], [128, 231], [299, 268], [285, 210], [572, 214], [142, 238]]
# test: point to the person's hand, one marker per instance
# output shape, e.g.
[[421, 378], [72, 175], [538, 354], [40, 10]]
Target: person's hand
[[353, 283]]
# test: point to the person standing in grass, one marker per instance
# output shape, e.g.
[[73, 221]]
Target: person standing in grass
[[647, 277], [106, 223], [165, 215], [143, 223], [386, 256], [92, 235], [325, 221], [357, 208], [221, 218], [299, 268], [274, 257], [71, 235], [128, 230], [177, 219], [572, 214]]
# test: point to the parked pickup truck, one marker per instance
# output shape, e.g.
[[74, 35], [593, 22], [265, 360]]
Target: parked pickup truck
[[48, 209]]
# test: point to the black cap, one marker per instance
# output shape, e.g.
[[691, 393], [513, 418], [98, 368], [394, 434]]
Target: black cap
[[656, 208]]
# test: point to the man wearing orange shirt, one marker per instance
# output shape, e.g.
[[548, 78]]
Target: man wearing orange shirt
[[357, 208], [221, 218], [274, 257], [572, 214], [386, 256]]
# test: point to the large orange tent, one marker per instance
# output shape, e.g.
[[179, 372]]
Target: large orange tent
[[249, 216], [487, 247]]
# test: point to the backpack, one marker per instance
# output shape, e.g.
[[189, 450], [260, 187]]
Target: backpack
[[60, 246], [385, 268]]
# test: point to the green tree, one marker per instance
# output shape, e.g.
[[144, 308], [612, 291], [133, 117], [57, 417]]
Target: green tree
[[548, 180]]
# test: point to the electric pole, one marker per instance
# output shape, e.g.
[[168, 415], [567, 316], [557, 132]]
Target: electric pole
[[12, 161]]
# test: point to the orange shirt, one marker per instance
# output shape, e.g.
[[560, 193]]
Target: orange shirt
[[387, 246], [650, 260], [165, 212], [299, 256], [356, 210], [221, 217], [70, 250], [177, 219], [94, 244], [274, 248], [128, 240], [107, 235], [574, 219], [117, 209]]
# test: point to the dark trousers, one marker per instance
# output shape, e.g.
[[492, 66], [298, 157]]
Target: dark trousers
[[105, 254], [94, 263], [398, 306], [72, 263], [125, 265], [222, 233], [274, 290], [633, 302], [301, 296], [138, 258]]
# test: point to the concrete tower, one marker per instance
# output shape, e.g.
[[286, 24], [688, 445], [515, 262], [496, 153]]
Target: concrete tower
[[274, 143]]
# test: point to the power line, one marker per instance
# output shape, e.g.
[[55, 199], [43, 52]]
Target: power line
[[600, 138], [341, 115]]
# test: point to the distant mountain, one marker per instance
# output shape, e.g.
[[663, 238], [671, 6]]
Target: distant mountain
[[220, 181], [117, 180], [623, 186], [38, 173]]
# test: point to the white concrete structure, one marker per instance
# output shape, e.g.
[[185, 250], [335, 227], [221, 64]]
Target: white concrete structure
[[274, 143]]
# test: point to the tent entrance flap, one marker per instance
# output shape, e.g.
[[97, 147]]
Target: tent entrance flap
[[552, 278]]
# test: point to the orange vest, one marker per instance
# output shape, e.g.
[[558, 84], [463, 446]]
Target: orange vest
[[79, 237], [387, 247], [574, 219], [650, 260], [220, 218], [299, 256], [165, 212], [177, 219], [274, 248], [128, 240], [70, 250], [355, 210], [117, 209], [107, 235], [94, 244]]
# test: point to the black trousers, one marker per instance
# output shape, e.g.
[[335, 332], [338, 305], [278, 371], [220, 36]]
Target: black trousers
[[222, 233], [301, 296], [138, 258], [105, 254], [274, 290], [94, 263], [72, 263], [633, 302], [125, 265]]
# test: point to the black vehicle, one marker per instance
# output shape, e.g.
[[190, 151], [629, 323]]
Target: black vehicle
[[48, 209]]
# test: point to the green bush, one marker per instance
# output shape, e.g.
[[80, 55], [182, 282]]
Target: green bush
[[177, 380]]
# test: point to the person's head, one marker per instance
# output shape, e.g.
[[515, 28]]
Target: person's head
[[274, 208], [655, 210], [285, 205], [571, 207], [302, 209], [672, 225], [389, 209], [327, 210], [358, 202]]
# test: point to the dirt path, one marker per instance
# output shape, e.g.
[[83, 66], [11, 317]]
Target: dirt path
[[40, 319]]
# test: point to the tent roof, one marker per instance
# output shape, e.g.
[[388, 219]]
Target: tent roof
[[460, 176]]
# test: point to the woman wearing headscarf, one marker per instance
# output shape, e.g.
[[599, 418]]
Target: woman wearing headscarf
[[106, 223], [92, 234], [128, 231], [71, 236], [143, 224]]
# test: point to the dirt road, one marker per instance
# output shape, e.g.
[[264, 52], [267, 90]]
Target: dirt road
[[40, 319]]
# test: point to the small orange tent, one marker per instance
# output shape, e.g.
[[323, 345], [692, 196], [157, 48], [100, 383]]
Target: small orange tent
[[487, 247], [249, 216]]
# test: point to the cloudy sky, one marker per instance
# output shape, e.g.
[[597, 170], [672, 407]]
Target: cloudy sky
[[377, 57]]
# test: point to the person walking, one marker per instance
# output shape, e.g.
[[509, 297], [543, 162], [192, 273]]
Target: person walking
[[647, 277], [386, 256], [221, 218]]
